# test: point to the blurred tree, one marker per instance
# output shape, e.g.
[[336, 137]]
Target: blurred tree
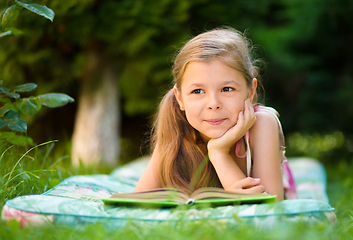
[[100, 44]]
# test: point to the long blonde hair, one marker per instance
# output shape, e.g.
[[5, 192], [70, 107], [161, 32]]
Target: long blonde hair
[[180, 147]]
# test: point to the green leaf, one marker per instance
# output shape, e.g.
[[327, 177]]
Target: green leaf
[[53, 100], [12, 115], [4, 90], [7, 33], [15, 16], [28, 106], [10, 105], [4, 110], [25, 87], [38, 9], [3, 123], [20, 140], [5, 135], [6, 16], [13, 95], [18, 125], [2, 12], [5, 100], [15, 31]]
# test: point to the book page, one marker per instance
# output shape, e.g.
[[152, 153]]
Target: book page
[[161, 194], [219, 193]]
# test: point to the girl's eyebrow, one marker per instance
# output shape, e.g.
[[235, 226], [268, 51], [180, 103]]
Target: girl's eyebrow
[[231, 82], [226, 82], [197, 85]]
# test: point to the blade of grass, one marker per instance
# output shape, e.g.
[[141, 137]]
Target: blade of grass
[[57, 161], [28, 172], [2, 155], [47, 154], [18, 162]]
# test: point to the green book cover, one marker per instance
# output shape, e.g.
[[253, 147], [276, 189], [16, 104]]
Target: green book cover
[[170, 197]]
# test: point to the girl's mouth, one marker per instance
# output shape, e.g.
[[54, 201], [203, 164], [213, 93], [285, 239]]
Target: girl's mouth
[[215, 122]]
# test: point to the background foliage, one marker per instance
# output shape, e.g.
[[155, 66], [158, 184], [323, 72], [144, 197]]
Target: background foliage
[[306, 44]]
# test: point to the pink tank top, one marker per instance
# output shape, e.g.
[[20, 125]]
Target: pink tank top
[[288, 179]]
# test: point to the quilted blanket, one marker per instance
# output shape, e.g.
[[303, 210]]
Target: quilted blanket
[[76, 201]]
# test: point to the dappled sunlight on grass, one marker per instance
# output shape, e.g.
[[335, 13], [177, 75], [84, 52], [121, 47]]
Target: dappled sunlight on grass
[[314, 145], [329, 148]]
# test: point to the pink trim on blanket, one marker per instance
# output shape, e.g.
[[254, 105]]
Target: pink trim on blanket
[[25, 218]]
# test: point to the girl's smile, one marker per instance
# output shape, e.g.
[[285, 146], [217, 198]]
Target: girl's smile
[[212, 94], [215, 121]]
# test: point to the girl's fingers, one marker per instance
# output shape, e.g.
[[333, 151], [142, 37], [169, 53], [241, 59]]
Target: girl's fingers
[[241, 119], [244, 183], [247, 186], [256, 189], [249, 111]]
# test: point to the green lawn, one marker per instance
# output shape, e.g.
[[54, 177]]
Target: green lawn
[[37, 172]]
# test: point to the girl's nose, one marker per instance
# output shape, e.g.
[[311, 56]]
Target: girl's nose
[[214, 103]]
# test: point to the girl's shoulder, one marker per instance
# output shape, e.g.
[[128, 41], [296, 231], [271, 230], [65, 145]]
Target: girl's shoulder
[[258, 108], [266, 115], [266, 121]]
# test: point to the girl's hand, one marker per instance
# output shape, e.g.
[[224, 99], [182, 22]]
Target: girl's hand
[[245, 121], [247, 186]]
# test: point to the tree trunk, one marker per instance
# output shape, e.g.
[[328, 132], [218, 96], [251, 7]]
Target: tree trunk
[[96, 132]]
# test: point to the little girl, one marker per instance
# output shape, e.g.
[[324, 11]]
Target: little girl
[[211, 114]]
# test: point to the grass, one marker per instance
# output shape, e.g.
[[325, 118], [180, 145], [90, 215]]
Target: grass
[[37, 171]]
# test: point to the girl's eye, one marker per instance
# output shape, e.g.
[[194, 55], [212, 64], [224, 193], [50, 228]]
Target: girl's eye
[[227, 89], [197, 91]]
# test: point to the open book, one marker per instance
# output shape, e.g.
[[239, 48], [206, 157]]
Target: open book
[[170, 197]]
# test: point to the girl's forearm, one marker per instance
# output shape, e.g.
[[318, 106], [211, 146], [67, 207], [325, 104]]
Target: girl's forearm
[[226, 168]]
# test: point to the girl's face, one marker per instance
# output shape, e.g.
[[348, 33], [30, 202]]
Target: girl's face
[[212, 95]]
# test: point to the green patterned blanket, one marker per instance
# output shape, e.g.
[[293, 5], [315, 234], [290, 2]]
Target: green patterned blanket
[[76, 201]]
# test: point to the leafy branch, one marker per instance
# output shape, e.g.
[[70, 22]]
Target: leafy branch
[[11, 13], [12, 106]]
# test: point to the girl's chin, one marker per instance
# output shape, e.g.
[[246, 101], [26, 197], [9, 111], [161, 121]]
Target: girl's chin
[[207, 137]]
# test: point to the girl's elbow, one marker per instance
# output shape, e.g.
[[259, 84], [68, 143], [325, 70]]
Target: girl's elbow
[[279, 198]]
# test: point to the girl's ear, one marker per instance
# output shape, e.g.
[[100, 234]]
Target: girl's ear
[[252, 90], [178, 98]]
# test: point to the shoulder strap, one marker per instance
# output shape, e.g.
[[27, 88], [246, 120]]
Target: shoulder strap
[[247, 154], [276, 115], [248, 151]]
